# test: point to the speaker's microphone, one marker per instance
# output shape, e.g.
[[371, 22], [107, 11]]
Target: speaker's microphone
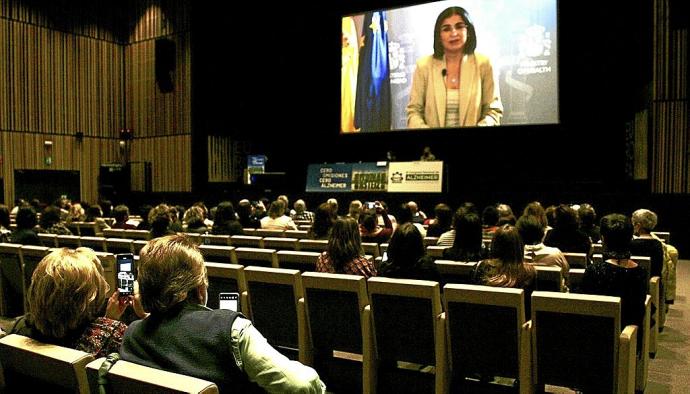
[[444, 72]]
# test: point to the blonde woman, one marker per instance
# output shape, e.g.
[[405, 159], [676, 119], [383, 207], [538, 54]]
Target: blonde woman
[[68, 304]]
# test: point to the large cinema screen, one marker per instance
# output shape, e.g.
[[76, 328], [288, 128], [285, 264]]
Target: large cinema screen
[[450, 64]]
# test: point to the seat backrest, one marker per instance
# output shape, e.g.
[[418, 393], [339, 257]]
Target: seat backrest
[[249, 241], [371, 248], [299, 234], [405, 314], [32, 366], [430, 241], [280, 243], [30, 257], [109, 269], [455, 271], [484, 330], [48, 240], [88, 229], [435, 252], [576, 260], [11, 281], [212, 239], [575, 276], [334, 305], [224, 278], [138, 245], [137, 234], [114, 233], [597, 248], [273, 297], [664, 235], [219, 254], [299, 260], [95, 243], [383, 247], [126, 377], [575, 340], [262, 232], [68, 241], [119, 245], [548, 278], [257, 257], [313, 245]]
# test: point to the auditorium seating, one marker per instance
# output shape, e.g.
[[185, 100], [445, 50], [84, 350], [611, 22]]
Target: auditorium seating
[[455, 271], [109, 270], [549, 278], [114, 233], [30, 257], [281, 243], [578, 342], [435, 252], [409, 332], [299, 260], [33, 367], [488, 337], [219, 254], [576, 260], [11, 281], [371, 248], [339, 322], [210, 239], [299, 234], [68, 241], [138, 244], [313, 245], [119, 245], [273, 297], [257, 257], [48, 240], [262, 232], [125, 377], [249, 241], [96, 243], [226, 278]]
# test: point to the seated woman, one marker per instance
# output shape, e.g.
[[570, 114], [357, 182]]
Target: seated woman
[[344, 254], [160, 220], [67, 302], [369, 228], [467, 245], [276, 219], [225, 222], [50, 222], [566, 234], [324, 217], [617, 275], [442, 221], [25, 233], [194, 219], [506, 267], [406, 256]]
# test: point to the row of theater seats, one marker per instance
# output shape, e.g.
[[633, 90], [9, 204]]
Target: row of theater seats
[[34, 367], [226, 277], [393, 335]]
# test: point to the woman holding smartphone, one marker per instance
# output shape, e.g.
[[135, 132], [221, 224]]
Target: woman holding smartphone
[[68, 304]]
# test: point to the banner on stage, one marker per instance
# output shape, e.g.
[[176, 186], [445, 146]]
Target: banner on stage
[[398, 177]]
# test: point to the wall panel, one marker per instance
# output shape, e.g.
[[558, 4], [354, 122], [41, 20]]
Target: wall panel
[[170, 157]]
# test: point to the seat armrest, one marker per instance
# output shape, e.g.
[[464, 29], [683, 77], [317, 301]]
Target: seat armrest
[[627, 347]]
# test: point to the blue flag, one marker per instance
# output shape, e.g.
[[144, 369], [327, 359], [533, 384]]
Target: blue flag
[[373, 106]]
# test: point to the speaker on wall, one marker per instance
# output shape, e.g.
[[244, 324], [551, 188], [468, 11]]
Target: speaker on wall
[[165, 64]]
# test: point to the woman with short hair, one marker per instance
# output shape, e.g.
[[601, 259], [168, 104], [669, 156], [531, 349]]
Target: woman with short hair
[[68, 304]]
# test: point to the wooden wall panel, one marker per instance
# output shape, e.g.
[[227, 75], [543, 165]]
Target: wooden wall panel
[[27, 151], [171, 159], [59, 83]]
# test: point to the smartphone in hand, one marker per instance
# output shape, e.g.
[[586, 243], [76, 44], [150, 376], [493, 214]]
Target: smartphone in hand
[[126, 273]]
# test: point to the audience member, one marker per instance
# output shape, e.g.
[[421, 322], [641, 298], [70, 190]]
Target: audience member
[[334, 205], [442, 221], [245, 214], [406, 257], [276, 219], [344, 254], [588, 224], [617, 275], [25, 233], [489, 221], [225, 221], [566, 234], [406, 215], [447, 239], [505, 215], [4, 223], [418, 216], [67, 301], [369, 228], [355, 209], [121, 215], [181, 335], [301, 212], [531, 231], [324, 217], [467, 245], [160, 220], [50, 222], [144, 212], [76, 213], [194, 219], [95, 214]]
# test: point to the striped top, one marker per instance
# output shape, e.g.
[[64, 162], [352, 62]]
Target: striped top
[[452, 107]]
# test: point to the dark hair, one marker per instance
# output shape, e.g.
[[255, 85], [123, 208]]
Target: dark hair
[[587, 216], [225, 213], [566, 218], [406, 246], [324, 217], [507, 246], [244, 209], [120, 213], [471, 43], [4, 216], [468, 237], [344, 243], [535, 209], [93, 212], [50, 216], [616, 234], [531, 229], [405, 215], [550, 213], [444, 216], [369, 220], [490, 216], [26, 218]]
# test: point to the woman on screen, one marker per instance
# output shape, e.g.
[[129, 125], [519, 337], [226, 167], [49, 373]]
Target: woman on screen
[[455, 86]]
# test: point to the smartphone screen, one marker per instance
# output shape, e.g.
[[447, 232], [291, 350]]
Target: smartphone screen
[[125, 273], [229, 301]]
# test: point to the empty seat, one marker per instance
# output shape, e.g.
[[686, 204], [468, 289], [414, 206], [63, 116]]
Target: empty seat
[[31, 366], [337, 304], [313, 245], [409, 332], [218, 254], [211, 239], [487, 337], [549, 278], [299, 260], [455, 271], [96, 243], [226, 278], [299, 234], [137, 234], [257, 257], [114, 233], [281, 243], [582, 332], [11, 281], [249, 241], [371, 248], [273, 297], [89, 229], [126, 377], [262, 232], [48, 240], [435, 252], [576, 260]]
